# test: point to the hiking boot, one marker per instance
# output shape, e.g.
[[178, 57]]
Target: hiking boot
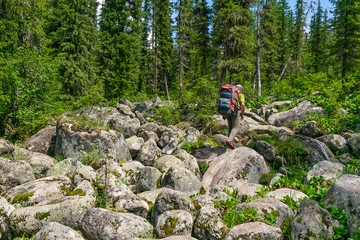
[[230, 144]]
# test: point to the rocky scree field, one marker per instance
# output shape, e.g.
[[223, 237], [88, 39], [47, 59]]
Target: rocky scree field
[[113, 173]]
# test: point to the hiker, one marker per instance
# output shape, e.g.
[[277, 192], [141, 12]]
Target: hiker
[[232, 106]]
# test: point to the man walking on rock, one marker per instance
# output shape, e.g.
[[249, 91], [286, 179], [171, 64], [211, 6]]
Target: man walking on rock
[[234, 121]]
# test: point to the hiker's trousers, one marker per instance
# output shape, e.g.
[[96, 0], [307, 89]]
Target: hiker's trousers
[[233, 125]]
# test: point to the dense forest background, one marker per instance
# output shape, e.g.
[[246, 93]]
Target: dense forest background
[[62, 55]]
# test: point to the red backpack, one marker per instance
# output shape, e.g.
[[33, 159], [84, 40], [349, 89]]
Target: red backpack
[[228, 99]]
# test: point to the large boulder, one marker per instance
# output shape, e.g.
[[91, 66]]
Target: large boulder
[[262, 129], [174, 222], [169, 199], [269, 206], [328, 170], [265, 149], [74, 142], [209, 225], [43, 141], [150, 196], [354, 143], [312, 222], [344, 194], [209, 153], [127, 103], [280, 104], [54, 230], [335, 142], [134, 144], [6, 147], [45, 189], [125, 110], [310, 129], [5, 209], [148, 180], [299, 113], [148, 153], [240, 164], [281, 193], [39, 162], [14, 173], [167, 161], [66, 211], [254, 231], [102, 224], [181, 179], [189, 161]]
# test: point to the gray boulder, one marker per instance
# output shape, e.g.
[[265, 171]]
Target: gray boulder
[[265, 149], [189, 161], [148, 179], [269, 129], [39, 162], [134, 144], [170, 147], [335, 142], [310, 129], [40, 190], [299, 113], [354, 143], [43, 141], [54, 230], [125, 110], [174, 222], [150, 196], [240, 164], [254, 231], [127, 103], [269, 206], [209, 153], [165, 138], [279, 104], [74, 142], [167, 161], [281, 193], [6, 147], [200, 201], [357, 129], [220, 138], [208, 224], [328, 170], [344, 158], [312, 222], [169, 199], [15, 173], [344, 194], [275, 178], [5, 209], [148, 153], [102, 224], [181, 179]]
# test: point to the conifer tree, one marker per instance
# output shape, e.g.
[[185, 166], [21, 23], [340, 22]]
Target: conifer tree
[[298, 38], [121, 48]]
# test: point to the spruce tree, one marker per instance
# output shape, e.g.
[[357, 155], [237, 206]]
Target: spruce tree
[[298, 37], [121, 47]]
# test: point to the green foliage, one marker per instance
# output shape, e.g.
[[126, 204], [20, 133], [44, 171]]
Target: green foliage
[[353, 167], [234, 218], [203, 167], [187, 146], [168, 115], [93, 156]]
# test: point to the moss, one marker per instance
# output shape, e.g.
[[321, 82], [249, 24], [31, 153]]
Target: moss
[[20, 197], [41, 216], [310, 234], [79, 192], [169, 225], [65, 190], [299, 219]]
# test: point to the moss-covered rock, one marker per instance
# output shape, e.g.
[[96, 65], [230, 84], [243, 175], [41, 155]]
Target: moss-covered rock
[[174, 222]]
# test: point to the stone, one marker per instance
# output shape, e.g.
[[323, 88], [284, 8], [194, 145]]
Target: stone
[[269, 206], [43, 141], [174, 222], [149, 127], [66, 211], [298, 113], [181, 179], [5, 209], [275, 178], [220, 138], [102, 224], [265, 149], [127, 103], [165, 138], [40, 190], [169, 199], [310, 129], [170, 147], [281, 193], [140, 116], [208, 224], [344, 158], [72, 142], [165, 162], [328, 170], [150, 196], [344, 194], [200, 201], [335, 142], [15, 173], [148, 153], [280, 104], [39, 162], [354, 143], [312, 222], [189, 161], [6, 147], [148, 179], [209, 153], [357, 129], [262, 129], [54, 230], [134, 144], [240, 164], [270, 112], [254, 231], [125, 110]]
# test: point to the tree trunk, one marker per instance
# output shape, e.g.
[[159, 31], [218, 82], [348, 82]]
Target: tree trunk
[[167, 89], [180, 53], [204, 66], [258, 73]]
